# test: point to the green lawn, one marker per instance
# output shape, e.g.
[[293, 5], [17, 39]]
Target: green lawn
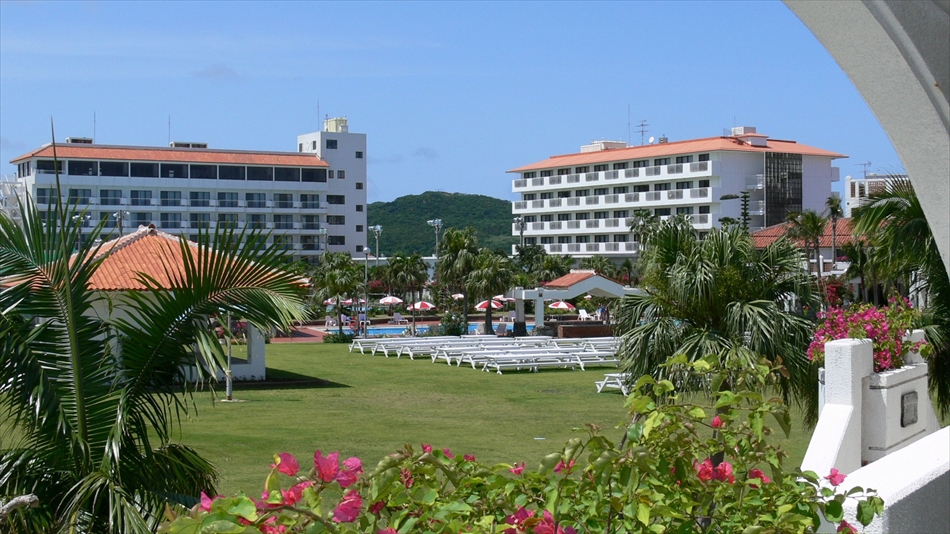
[[368, 406]]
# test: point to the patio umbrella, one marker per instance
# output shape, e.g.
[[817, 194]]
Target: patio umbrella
[[458, 296], [484, 304], [588, 297], [502, 298], [347, 302], [422, 306], [329, 302], [561, 305], [390, 300]]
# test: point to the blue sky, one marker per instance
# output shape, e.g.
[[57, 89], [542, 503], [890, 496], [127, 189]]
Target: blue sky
[[450, 95]]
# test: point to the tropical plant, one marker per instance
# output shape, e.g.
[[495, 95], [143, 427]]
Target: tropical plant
[[409, 274], [553, 266], [601, 265], [660, 478], [336, 277], [643, 224], [833, 208], [457, 253], [808, 226], [492, 274], [92, 398], [720, 296], [902, 245]]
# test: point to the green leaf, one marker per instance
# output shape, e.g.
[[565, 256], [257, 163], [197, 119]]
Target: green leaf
[[223, 527], [243, 507], [865, 513], [635, 432], [643, 513], [726, 398], [697, 413], [753, 529], [642, 404], [784, 420], [834, 512]]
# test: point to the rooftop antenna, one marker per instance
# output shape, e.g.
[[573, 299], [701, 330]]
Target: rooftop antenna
[[642, 128], [865, 165], [651, 139]]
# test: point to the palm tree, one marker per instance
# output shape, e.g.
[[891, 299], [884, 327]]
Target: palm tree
[[493, 274], [409, 274], [337, 276], [903, 245], [833, 207], [95, 399], [719, 296], [554, 266], [457, 253], [600, 265], [808, 226]]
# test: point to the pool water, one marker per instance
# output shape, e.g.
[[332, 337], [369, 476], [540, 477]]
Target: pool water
[[401, 329]]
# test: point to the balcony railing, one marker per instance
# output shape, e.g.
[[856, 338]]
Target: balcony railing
[[519, 184], [758, 182]]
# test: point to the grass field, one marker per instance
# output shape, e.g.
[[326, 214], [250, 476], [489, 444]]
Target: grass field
[[369, 406]]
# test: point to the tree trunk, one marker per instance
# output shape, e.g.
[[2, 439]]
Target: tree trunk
[[488, 326], [339, 316]]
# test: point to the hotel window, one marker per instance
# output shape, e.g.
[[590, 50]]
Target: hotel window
[[336, 199], [704, 157], [260, 174], [601, 214], [526, 175], [359, 155], [563, 216], [580, 170], [563, 239], [227, 200], [661, 187], [310, 222], [529, 196], [341, 174], [621, 238], [582, 239], [547, 173], [283, 200], [704, 209], [531, 241], [231, 172], [286, 174], [620, 214], [661, 161], [359, 185], [79, 196], [200, 220], [684, 185], [313, 175], [621, 190], [563, 194], [641, 188], [598, 168], [530, 218], [562, 172], [704, 183], [582, 193], [44, 195], [601, 239], [83, 168], [548, 240], [336, 240], [336, 220], [140, 219], [170, 198], [359, 227], [257, 221], [284, 222], [684, 159], [227, 220], [359, 207], [547, 218], [331, 144], [545, 196], [660, 212], [113, 168], [140, 198], [255, 200], [174, 170], [299, 147], [313, 145], [284, 242], [310, 202], [110, 197], [108, 221], [170, 220], [621, 165], [685, 210], [601, 191], [200, 199], [309, 242], [583, 216], [641, 163], [330, 173]]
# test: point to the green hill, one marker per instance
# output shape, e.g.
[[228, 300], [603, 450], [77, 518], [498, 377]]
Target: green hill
[[405, 229]]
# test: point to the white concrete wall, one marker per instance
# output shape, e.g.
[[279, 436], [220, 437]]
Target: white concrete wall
[[817, 176]]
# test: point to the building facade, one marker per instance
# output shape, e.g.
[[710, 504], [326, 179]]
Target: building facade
[[187, 187], [856, 190], [583, 204]]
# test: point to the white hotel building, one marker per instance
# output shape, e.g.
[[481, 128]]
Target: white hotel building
[[310, 200], [582, 204]]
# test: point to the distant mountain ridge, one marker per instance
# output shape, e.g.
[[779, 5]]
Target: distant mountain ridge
[[405, 229]]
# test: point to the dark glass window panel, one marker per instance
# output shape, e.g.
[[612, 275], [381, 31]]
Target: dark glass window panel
[[313, 175], [83, 168], [174, 170], [261, 174], [143, 170], [113, 168], [230, 172], [287, 174], [783, 186], [204, 172]]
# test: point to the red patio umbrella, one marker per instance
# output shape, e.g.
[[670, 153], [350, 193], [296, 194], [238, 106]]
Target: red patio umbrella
[[458, 296], [422, 306], [495, 305], [390, 300], [561, 305]]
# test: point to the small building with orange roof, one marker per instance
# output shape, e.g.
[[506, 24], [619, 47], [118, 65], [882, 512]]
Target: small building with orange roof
[[841, 236]]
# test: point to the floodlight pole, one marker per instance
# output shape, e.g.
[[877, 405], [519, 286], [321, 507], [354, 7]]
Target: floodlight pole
[[519, 220], [377, 230], [120, 217], [365, 293]]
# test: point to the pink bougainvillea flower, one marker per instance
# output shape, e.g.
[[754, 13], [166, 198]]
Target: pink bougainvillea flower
[[352, 469], [517, 469], [717, 422], [516, 520], [295, 493], [846, 528], [469, 457], [704, 470], [387, 530], [835, 477], [546, 526], [565, 468], [448, 454], [406, 476], [327, 468], [377, 507], [426, 447], [756, 473], [723, 472], [349, 508], [286, 464], [206, 501]]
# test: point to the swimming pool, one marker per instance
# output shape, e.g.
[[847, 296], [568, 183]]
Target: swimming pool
[[401, 329]]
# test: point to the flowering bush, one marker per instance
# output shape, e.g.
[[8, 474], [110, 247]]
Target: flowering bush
[[885, 327], [666, 475]]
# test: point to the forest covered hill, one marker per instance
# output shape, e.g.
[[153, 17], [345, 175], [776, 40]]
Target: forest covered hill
[[405, 229]]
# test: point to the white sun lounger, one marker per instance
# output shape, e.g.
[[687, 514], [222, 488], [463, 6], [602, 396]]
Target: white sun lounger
[[614, 381]]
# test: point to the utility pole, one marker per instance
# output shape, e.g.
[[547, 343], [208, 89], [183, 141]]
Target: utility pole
[[437, 224]]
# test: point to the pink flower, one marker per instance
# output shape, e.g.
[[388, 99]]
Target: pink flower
[[723, 472], [286, 464], [517, 469], [377, 507], [294, 494], [516, 519], [352, 469], [349, 508], [704, 470], [426, 447], [546, 526], [846, 528], [406, 476], [717, 422], [206, 501], [835, 477], [387, 530], [562, 467], [469, 457], [448, 454], [327, 468], [755, 473]]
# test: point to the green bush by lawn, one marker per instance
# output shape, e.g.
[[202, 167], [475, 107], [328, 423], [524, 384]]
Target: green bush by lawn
[[369, 406]]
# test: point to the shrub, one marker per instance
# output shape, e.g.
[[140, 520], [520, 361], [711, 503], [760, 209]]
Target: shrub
[[337, 337], [663, 476], [453, 324]]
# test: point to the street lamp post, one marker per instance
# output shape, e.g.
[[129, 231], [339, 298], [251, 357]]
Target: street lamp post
[[519, 220], [377, 230], [365, 320], [437, 224]]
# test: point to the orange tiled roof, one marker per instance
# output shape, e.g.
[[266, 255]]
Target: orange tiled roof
[[569, 279], [708, 144], [146, 251], [170, 154], [767, 236]]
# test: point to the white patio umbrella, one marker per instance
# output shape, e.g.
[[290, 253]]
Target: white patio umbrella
[[422, 306], [588, 297], [495, 305], [561, 305], [390, 300], [458, 296], [502, 298]]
